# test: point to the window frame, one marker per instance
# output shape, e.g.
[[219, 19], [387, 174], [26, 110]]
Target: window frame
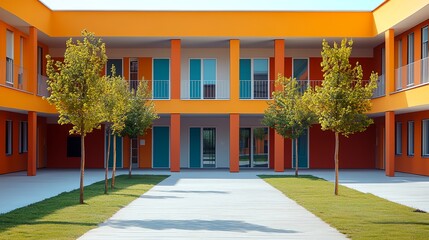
[[425, 138], [410, 138], [9, 137], [398, 138], [23, 137]]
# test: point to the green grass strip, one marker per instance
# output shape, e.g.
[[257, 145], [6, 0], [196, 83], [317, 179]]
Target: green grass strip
[[356, 214], [62, 217]]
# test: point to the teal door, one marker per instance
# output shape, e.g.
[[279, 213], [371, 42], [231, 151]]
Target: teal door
[[119, 150], [195, 147], [161, 147], [302, 151], [161, 79], [245, 78]]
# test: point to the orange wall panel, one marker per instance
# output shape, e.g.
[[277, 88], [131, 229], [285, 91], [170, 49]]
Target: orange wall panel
[[145, 151], [126, 152]]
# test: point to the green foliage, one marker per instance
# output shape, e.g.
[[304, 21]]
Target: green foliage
[[343, 99], [142, 112], [116, 102], [75, 86], [289, 113]]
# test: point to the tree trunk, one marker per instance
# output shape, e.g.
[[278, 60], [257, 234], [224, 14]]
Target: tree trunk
[[131, 160], [296, 157], [337, 146], [82, 164], [114, 162], [106, 173]]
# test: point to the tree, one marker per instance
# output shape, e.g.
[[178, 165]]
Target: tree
[[343, 98], [76, 89], [141, 114], [116, 105], [289, 113]]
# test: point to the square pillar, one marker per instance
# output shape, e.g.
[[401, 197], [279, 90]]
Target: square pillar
[[390, 143], [279, 153], [279, 58], [32, 144], [234, 148], [390, 60], [175, 142], [32, 60], [234, 69], [175, 68]]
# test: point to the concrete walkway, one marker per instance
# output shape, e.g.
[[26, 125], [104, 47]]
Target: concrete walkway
[[213, 205]]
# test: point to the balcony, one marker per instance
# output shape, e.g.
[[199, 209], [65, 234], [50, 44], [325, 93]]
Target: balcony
[[380, 91], [14, 76], [206, 89], [42, 86], [412, 75]]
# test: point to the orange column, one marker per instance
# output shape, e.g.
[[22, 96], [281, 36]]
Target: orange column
[[279, 63], [234, 130], [390, 60], [32, 143], [175, 69], [175, 142], [390, 143], [234, 69], [126, 70], [32, 55]]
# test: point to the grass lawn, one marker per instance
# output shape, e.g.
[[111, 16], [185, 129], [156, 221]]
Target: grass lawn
[[356, 214], [62, 217]]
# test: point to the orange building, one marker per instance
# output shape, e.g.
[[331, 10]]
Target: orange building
[[211, 74]]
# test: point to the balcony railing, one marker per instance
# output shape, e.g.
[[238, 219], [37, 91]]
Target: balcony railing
[[197, 89], [256, 89], [160, 88], [42, 86], [411, 75], [381, 87], [14, 76]]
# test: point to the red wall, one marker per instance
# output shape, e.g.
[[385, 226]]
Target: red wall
[[57, 150], [357, 151], [366, 63]]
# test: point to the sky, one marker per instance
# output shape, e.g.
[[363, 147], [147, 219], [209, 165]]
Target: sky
[[214, 5]]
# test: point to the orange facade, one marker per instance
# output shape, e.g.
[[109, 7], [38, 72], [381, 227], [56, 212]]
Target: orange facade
[[216, 83]]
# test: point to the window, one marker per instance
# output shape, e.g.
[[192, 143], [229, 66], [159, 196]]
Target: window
[[400, 70], [118, 67], [425, 53], [21, 62], [398, 138], [9, 138], [425, 137], [202, 77], [23, 137], [39, 60], [134, 69], [410, 59], [73, 146], [254, 82], [410, 138], [9, 57]]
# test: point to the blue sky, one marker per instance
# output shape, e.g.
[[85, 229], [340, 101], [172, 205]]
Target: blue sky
[[214, 5]]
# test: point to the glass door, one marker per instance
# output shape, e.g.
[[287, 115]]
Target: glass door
[[260, 147], [245, 145], [134, 152], [209, 147]]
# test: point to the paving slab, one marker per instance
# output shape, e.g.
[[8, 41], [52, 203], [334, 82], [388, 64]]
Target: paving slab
[[213, 205]]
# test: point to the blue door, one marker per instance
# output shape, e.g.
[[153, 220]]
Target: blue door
[[245, 78], [195, 147], [119, 150], [161, 78], [195, 79], [161, 147], [302, 151]]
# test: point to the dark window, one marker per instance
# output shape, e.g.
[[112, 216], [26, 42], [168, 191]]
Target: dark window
[[23, 137], [9, 138], [73, 146]]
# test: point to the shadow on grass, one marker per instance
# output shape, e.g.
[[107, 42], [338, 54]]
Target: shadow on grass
[[403, 223], [33, 213], [309, 177]]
